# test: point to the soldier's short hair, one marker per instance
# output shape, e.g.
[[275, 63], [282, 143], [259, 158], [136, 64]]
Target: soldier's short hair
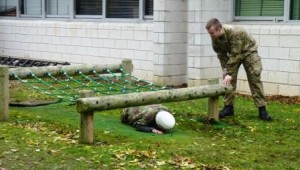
[[213, 22]]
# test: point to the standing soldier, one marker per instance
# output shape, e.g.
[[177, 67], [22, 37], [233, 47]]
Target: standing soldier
[[150, 118], [234, 46]]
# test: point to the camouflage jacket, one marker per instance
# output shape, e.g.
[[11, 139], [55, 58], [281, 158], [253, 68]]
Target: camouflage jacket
[[233, 46], [142, 115]]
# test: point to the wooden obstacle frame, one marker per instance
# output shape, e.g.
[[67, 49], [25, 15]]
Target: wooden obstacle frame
[[7, 74], [87, 104]]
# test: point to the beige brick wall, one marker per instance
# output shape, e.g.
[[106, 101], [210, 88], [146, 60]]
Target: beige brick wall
[[173, 49], [80, 42]]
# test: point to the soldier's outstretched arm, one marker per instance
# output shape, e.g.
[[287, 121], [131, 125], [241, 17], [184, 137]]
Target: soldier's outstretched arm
[[148, 129]]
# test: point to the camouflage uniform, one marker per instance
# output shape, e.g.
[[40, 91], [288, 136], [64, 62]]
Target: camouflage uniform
[[142, 116], [234, 48]]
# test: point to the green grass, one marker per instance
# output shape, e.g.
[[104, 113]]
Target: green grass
[[46, 137]]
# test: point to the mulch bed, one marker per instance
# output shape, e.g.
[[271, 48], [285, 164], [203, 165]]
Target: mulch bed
[[279, 98]]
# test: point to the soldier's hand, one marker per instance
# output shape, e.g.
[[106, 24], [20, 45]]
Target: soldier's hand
[[225, 72], [157, 131], [227, 80]]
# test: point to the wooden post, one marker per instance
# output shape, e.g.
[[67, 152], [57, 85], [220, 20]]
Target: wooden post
[[213, 108], [86, 133], [4, 93], [127, 66]]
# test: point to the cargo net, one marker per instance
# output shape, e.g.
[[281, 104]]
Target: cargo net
[[66, 88]]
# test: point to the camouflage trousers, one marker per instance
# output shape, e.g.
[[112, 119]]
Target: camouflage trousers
[[253, 67]]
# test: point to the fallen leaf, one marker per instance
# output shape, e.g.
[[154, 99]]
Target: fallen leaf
[[14, 150], [159, 163]]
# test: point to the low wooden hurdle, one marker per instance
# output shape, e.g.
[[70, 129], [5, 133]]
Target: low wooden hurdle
[[7, 74], [87, 105]]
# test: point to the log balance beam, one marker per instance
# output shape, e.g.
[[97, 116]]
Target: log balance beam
[[87, 105]]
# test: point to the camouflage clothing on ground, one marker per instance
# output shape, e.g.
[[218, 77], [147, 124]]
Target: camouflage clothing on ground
[[142, 115], [237, 47]]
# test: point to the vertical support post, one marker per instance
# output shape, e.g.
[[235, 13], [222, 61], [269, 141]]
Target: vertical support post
[[213, 108], [127, 66], [4, 93], [86, 132]]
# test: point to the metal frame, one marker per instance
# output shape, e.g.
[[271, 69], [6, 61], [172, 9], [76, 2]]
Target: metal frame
[[72, 15]]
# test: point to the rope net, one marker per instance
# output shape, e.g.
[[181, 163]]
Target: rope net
[[66, 88]]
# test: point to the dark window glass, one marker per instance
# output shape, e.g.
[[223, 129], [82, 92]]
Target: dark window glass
[[295, 10], [148, 7], [122, 9], [8, 7], [89, 7], [259, 7]]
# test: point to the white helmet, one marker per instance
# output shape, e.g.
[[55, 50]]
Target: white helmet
[[165, 120]]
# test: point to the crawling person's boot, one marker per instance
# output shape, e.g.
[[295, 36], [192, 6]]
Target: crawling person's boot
[[226, 111], [263, 114]]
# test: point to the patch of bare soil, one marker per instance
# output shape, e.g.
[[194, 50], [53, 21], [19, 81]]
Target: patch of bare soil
[[32, 103], [279, 98]]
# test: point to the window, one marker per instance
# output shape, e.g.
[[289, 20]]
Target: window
[[295, 10], [122, 9], [31, 7], [88, 7], [259, 7], [57, 7], [73, 9], [8, 7], [267, 10], [148, 7]]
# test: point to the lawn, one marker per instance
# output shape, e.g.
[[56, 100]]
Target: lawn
[[46, 137]]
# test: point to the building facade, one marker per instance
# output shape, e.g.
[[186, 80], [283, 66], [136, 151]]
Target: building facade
[[166, 39]]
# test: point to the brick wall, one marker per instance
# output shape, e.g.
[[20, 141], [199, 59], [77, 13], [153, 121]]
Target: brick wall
[[279, 48], [173, 49], [80, 42]]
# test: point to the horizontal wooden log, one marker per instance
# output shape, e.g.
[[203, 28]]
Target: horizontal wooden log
[[24, 72], [145, 98]]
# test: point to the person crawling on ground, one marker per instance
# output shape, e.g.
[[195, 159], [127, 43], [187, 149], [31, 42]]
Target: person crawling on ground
[[150, 118]]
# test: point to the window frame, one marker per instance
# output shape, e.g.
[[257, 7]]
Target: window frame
[[31, 16], [88, 16], [143, 10], [57, 16], [284, 18], [73, 16], [6, 5]]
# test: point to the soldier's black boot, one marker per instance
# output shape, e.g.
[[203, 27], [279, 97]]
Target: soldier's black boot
[[263, 115], [226, 111]]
